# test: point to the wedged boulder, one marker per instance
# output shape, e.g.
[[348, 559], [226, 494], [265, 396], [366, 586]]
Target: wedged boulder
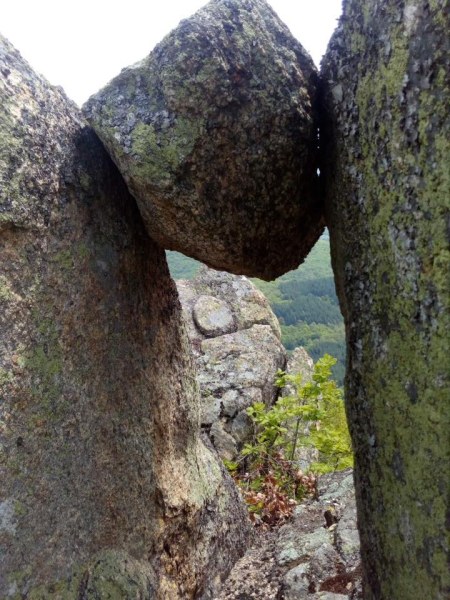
[[235, 338], [386, 160], [215, 133], [107, 490]]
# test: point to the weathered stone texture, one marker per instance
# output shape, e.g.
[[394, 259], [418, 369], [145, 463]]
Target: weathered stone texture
[[320, 545], [106, 489], [235, 338], [386, 162], [215, 135], [299, 363], [314, 556]]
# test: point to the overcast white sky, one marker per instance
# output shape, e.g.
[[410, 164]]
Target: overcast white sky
[[82, 44]]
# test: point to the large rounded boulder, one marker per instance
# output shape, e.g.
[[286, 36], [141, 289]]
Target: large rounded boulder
[[215, 133]]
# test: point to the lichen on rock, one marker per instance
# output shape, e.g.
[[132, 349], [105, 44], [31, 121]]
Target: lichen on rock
[[215, 133], [314, 556], [107, 490], [386, 139]]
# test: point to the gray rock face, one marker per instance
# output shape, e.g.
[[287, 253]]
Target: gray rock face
[[386, 149], [322, 544], [303, 560], [235, 339], [105, 482], [215, 135], [299, 362], [212, 316]]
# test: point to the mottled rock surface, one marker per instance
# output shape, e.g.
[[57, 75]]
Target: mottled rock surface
[[235, 338], [387, 148], [321, 543], [299, 362], [215, 135], [313, 556], [106, 488]]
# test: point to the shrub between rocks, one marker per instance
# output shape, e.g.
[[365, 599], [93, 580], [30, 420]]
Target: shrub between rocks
[[313, 415]]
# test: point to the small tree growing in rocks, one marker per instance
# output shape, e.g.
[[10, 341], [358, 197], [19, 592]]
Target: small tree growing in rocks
[[314, 415]]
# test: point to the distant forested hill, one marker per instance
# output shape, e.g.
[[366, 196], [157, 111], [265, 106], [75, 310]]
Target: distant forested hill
[[182, 267], [306, 305], [304, 301]]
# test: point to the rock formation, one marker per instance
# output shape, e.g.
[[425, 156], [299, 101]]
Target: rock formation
[[215, 134], [387, 146], [299, 363], [314, 556], [235, 338], [321, 544], [106, 488]]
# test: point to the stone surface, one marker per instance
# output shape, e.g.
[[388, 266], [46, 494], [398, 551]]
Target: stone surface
[[215, 134], [256, 576], [213, 316], [299, 362], [107, 490], [234, 369], [312, 542], [316, 568], [296, 583], [386, 161]]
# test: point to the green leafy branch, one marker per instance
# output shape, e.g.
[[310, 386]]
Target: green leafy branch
[[313, 416]]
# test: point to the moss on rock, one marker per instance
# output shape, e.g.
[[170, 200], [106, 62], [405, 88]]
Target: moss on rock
[[386, 167], [215, 134], [107, 490]]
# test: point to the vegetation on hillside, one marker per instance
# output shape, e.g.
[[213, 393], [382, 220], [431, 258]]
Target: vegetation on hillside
[[181, 266], [306, 305], [304, 301]]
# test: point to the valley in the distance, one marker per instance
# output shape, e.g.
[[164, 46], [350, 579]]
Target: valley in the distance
[[304, 300]]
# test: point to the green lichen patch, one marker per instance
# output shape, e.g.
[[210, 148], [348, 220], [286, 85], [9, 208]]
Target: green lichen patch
[[5, 376], [19, 509], [159, 154], [69, 258], [44, 361], [111, 575], [64, 259], [6, 293]]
